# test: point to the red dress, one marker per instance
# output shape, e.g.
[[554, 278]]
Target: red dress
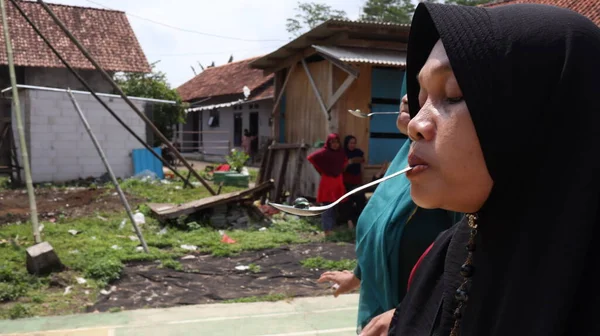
[[330, 188]]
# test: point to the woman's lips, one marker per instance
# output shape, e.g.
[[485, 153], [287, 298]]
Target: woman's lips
[[418, 165]]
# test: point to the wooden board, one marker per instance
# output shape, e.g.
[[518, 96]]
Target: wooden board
[[171, 211]]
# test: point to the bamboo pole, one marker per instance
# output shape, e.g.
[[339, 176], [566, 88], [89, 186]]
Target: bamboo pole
[[17, 113], [109, 79], [89, 88], [109, 170]]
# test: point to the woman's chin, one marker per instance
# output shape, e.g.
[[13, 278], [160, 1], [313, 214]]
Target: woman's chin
[[424, 199]]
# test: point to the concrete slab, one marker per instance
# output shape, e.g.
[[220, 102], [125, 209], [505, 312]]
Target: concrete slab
[[300, 317]]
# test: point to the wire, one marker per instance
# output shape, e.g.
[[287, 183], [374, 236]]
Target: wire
[[184, 29], [210, 53]]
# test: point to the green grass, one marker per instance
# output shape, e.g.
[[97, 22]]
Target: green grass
[[264, 298], [321, 263], [102, 248]]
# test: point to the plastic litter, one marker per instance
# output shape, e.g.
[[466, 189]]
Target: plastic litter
[[139, 218], [189, 247], [146, 176]]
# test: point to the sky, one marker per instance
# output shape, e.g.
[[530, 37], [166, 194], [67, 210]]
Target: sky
[[174, 31]]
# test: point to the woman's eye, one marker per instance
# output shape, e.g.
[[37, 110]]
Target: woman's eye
[[454, 100]]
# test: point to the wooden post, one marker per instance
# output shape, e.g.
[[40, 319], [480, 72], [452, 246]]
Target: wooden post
[[301, 157], [316, 90], [109, 170], [282, 90], [18, 116], [266, 175], [281, 178]]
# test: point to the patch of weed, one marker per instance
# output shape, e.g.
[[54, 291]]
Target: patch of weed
[[254, 268], [172, 264], [19, 311], [264, 298], [105, 269], [321, 263]]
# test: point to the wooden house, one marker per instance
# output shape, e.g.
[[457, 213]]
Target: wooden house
[[338, 66]]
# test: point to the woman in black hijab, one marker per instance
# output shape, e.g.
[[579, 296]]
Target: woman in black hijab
[[494, 93]]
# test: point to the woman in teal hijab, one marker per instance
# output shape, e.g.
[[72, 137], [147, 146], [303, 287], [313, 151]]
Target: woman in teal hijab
[[391, 234]]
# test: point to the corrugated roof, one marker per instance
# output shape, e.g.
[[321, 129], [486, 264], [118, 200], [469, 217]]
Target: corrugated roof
[[363, 55], [382, 32], [588, 8], [223, 80], [105, 33]]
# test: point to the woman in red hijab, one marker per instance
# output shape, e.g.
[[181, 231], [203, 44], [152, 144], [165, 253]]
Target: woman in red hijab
[[330, 162]]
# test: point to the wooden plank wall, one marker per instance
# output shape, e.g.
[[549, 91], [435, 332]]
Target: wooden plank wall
[[304, 119], [358, 96]]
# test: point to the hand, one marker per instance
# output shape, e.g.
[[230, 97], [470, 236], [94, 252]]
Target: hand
[[346, 281], [403, 117], [379, 325]]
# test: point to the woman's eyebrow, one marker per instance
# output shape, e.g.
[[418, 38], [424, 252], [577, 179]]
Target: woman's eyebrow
[[435, 71]]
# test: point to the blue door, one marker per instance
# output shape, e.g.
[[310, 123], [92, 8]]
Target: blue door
[[386, 92]]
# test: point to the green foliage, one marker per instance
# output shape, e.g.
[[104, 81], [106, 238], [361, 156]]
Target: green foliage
[[254, 268], [329, 265], [172, 264], [397, 11], [236, 159], [155, 85], [11, 292], [19, 311], [265, 298], [311, 14], [105, 269]]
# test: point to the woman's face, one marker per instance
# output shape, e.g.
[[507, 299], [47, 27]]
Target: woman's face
[[449, 169], [334, 143], [352, 144]]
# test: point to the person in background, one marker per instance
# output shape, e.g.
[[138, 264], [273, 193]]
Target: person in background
[[391, 234], [330, 162], [352, 180]]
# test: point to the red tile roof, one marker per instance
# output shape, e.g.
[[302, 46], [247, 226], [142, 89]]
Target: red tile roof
[[105, 33], [589, 8], [226, 79]]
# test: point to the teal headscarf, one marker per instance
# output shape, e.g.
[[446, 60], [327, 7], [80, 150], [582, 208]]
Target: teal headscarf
[[391, 234]]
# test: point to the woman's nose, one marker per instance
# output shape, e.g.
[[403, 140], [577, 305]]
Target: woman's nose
[[421, 127]]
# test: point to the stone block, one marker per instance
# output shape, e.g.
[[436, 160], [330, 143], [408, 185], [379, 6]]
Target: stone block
[[42, 259]]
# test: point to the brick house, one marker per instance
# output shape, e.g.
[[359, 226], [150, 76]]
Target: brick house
[[220, 111], [59, 147]]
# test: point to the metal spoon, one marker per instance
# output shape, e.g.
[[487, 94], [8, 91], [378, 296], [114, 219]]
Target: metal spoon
[[317, 210], [358, 113]]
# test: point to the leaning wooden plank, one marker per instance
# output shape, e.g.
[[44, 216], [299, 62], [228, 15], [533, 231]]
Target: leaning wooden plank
[[166, 211]]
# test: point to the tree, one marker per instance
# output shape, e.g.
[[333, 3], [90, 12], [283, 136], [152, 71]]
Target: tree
[[311, 14], [468, 2], [397, 11], [155, 85]]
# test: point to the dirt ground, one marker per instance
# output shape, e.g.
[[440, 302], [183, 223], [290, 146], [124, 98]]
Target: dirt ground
[[54, 202], [209, 279]]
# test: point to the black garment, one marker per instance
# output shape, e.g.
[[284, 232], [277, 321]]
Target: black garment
[[351, 209], [530, 76]]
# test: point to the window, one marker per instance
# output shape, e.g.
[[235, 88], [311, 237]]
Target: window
[[213, 119]]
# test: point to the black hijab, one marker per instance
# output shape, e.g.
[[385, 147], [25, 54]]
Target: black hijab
[[530, 75]]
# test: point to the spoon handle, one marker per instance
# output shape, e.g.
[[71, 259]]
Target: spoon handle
[[370, 184]]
